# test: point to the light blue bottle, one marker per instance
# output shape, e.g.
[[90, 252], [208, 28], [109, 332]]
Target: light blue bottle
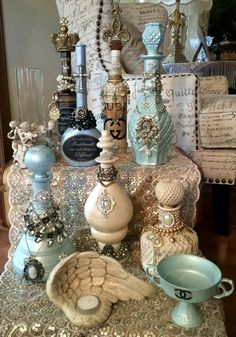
[[44, 240], [151, 128], [79, 142]]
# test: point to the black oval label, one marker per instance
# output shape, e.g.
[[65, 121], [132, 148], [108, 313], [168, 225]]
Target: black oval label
[[81, 148]]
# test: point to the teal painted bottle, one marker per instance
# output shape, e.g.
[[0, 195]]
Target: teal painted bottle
[[44, 241], [151, 129]]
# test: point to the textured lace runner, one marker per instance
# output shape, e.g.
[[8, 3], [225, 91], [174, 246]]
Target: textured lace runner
[[26, 309], [27, 312]]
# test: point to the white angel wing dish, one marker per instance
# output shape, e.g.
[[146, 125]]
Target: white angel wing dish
[[85, 285]]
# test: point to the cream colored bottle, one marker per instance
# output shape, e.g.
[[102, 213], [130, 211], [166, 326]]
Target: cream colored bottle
[[108, 209]]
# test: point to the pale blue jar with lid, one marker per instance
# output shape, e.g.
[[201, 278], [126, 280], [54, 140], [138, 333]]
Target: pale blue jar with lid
[[151, 128]]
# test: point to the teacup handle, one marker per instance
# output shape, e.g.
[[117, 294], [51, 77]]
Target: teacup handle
[[224, 291], [155, 278]]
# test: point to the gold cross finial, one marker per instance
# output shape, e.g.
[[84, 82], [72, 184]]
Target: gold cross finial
[[115, 34], [64, 41]]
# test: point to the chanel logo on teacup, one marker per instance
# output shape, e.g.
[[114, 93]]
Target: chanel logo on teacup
[[192, 280], [183, 294]]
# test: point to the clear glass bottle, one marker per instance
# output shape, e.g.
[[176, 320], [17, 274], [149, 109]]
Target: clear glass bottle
[[30, 95]]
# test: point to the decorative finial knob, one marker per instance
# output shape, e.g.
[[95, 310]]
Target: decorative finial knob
[[152, 37], [39, 160], [115, 34], [106, 143], [169, 192]]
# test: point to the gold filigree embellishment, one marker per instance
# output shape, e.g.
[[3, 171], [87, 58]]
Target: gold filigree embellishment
[[54, 112], [147, 130]]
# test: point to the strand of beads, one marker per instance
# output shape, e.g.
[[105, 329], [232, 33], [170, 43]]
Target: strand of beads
[[98, 30]]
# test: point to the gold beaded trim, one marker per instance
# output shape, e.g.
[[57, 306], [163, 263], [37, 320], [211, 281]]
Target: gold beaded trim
[[164, 231]]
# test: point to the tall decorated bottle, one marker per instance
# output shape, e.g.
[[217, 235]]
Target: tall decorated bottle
[[64, 100], [115, 92], [44, 241], [79, 142], [151, 128], [108, 209]]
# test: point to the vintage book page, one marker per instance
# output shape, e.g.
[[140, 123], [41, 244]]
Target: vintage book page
[[218, 165], [181, 94], [217, 122], [213, 86]]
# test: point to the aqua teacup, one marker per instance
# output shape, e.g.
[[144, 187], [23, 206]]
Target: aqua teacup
[[190, 280]]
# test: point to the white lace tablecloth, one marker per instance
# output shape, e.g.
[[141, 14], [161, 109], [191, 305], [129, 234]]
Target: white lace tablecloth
[[25, 309]]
